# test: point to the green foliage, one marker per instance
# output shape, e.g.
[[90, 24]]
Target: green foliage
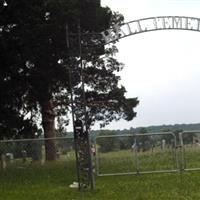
[[39, 44], [109, 143], [144, 142], [155, 129], [126, 142], [112, 143], [164, 128]]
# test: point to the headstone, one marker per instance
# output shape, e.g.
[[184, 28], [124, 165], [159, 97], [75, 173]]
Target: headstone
[[24, 156], [9, 157], [163, 144], [3, 161]]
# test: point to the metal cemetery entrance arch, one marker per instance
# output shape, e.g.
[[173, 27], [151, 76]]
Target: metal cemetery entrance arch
[[119, 31], [161, 146]]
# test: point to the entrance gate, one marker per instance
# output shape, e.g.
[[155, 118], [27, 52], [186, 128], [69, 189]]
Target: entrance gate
[[147, 153], [140, 149], [190, 155]]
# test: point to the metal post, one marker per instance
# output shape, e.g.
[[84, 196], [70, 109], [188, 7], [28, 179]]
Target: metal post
[[90, 172], [182, 160], [72, 108], [81, 137], [136, 155]]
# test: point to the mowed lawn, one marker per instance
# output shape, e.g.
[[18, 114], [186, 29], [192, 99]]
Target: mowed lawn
[[51, 182]]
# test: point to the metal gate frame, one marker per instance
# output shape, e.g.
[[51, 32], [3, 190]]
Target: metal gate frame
[[183, 152], [176, 147]]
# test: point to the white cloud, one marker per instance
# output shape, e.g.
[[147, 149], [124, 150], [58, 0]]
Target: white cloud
[[162, 67]]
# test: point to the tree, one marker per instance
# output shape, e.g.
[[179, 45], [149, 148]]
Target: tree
[[35, 51], [12, 118], [144, 141], [107, 144]]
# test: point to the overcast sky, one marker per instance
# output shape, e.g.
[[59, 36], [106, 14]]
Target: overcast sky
[[162, 68]]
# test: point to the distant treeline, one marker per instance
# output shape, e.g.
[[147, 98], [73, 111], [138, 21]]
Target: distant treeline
[[144, 142], [150, 129]]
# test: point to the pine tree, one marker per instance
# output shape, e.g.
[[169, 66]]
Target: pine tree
[[40, 48]]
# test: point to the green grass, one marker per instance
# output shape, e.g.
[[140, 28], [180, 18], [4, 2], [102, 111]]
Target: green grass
[[125, 161], [51, 182]]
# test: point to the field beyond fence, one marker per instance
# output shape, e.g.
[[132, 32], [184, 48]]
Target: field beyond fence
[[28, 177]]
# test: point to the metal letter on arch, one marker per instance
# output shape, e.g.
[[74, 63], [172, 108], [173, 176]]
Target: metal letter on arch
[[119, 31]]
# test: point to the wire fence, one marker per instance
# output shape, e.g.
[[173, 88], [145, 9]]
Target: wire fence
[[147, 153], [133, 154], [190, 141], [26, 152], [112, 154]]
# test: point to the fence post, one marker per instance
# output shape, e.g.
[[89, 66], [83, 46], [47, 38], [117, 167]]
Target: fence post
[[181, 151], [83, 157], [3, 162], [136, 155]]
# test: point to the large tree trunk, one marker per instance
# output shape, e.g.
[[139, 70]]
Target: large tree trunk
[[48, 122]]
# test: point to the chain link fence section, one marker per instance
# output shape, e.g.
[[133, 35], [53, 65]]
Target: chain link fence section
[[190, 142], [134, 154], [115, 155], [156, 152], [23, 153]]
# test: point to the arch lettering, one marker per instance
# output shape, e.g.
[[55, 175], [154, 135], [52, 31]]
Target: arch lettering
[[119, 31]]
